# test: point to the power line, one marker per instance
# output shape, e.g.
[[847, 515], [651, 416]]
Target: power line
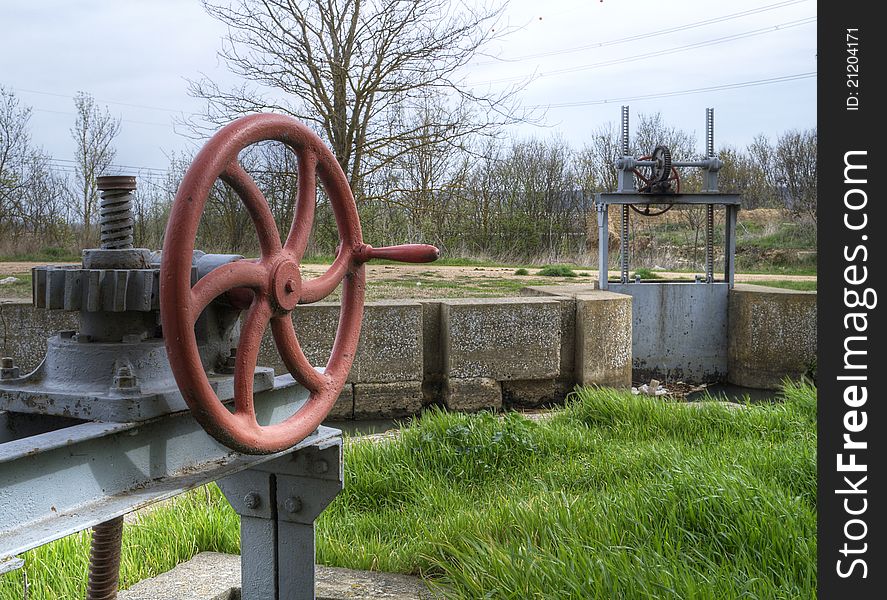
[[714, 88], [58, 95], [74, 163], [62, 112], [658, 53], [647, 35]]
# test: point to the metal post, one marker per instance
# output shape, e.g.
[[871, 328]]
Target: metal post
[[278, 503], [603, 244], [730, 243]]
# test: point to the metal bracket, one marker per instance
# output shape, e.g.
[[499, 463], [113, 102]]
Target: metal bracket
[[278, 502], [59, 476]]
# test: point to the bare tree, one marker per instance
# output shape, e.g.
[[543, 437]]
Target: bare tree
[[93, 133], [351, 67], [789, 167], [796, 171], [595, 163], [32, 210], [14, 152]]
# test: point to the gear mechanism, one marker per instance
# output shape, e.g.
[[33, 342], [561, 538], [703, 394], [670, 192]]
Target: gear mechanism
[[661, 178]]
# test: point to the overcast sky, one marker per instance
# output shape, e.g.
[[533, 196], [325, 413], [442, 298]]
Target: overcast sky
[[135, 56]]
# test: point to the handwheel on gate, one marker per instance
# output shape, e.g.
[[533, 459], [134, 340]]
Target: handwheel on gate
[[663, 178], [274, 279]]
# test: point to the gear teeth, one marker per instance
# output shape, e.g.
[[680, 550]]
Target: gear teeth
[[73, 290], [94, 290]]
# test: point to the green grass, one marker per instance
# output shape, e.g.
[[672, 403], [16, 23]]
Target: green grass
[[789, 235], [615, 497], [789, 284], [521, 271], [646, 274], [19, 289], [44, 255], [556, 271]]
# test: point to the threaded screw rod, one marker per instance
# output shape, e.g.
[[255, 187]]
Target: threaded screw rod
[[709, 242], [623, 243], [710, 132], [625, 148], [116, 211], [104, 560]]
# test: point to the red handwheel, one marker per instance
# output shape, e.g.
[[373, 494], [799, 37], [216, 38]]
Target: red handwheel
[[274, 279]]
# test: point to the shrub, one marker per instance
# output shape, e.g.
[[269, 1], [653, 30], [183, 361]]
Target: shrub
[[646, 274], [556, 271]]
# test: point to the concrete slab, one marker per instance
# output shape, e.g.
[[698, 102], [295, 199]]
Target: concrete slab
[[535, 392], [387, 400], [603, 339], [501, 338], [772, 335], [25, 329], [472, 394], [214, 576], [390, 347], [570, 290]]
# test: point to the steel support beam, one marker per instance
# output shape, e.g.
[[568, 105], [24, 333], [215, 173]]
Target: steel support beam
[[278, 503], [63, 480], [603, 245], [637, 198]]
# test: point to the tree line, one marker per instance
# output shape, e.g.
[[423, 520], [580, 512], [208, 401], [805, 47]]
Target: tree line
[[519, 199], [383, 82]]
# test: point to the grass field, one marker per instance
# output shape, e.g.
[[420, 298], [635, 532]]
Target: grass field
[[802, 286], [614, 497]]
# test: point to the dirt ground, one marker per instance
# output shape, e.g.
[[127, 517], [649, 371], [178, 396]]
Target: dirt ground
[[421, 281]]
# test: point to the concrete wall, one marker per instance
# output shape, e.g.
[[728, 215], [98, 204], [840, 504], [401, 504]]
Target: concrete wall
[[604, 339], [24, 331], [465, 354], [596, 334], [679, 330], [473, 354], [771, 336]]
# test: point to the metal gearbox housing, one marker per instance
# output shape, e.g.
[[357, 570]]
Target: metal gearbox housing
[[115, 366]]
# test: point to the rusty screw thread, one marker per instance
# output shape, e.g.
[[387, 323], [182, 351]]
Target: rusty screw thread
[[104, 560], [116, 211]]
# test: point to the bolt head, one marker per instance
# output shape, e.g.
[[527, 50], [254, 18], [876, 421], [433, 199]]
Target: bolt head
[[124, 379], [293, 504], [8, 370], [252, 500]]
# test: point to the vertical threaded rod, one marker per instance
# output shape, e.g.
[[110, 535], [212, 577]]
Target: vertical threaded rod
[[623, 243], [116, 211], [709, 242], [710, 132], [104, 560], [625, 148]]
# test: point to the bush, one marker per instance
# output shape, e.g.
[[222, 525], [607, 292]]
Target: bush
[[646, 274], [521, 272], [556, 271]]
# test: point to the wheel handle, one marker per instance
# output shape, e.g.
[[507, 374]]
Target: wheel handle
[[648, 182], [274, 279]]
